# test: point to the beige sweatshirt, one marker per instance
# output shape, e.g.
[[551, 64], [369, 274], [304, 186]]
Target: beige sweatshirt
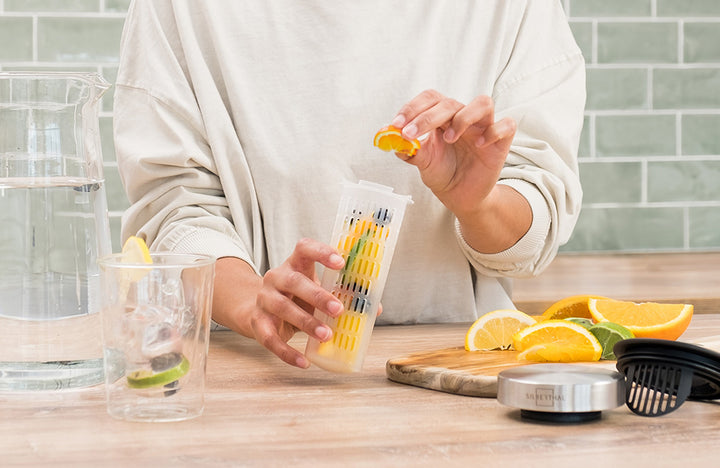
[[237, 120]]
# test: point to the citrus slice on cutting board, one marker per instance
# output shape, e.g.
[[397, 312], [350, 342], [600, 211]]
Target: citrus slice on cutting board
[[572, 306], [557, 341], [608, 334], [646, 319], [495, 329], [390, 139]]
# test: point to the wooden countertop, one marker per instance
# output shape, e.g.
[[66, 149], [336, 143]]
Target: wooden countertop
[[692, 278], [261, 412]]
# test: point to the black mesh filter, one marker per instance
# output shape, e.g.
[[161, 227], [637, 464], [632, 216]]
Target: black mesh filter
[[661, 374]]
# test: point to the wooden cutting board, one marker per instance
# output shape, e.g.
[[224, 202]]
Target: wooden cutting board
[[457, 371]]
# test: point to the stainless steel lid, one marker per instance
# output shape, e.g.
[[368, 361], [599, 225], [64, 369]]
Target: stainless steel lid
[[563, 392]]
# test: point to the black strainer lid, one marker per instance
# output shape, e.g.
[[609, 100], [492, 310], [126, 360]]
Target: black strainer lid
[[704, 363]]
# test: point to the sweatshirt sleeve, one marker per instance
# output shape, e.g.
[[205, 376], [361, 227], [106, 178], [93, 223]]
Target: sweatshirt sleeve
[[170, 172], [542, 87]]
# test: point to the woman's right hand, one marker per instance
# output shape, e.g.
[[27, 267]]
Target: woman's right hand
[[272, 308]]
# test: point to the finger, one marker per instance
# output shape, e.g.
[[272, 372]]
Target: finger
[[479, 113], [437, 116], [277, 300], [266, 334], [415, 106], [307, 252], [500, 133]]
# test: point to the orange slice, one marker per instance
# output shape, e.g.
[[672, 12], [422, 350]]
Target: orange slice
[[390, 139], [572, 306], [495, 330], [557, 341], [646, 319]]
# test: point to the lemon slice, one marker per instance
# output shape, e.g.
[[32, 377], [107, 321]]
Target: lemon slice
[[494, 330], [146, 378], [135, 251]]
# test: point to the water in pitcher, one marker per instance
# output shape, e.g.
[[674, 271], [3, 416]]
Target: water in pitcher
[[53, 229], [50, 238]]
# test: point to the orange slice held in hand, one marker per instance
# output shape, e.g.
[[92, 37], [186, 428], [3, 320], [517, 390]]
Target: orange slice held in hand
[[390, 139]]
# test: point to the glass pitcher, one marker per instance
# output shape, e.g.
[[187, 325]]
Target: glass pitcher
[[53, 227]]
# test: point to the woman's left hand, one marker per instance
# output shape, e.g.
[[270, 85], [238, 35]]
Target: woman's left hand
[[465, 149]]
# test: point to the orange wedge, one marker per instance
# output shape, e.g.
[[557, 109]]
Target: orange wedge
[[495, 330], [645, 320], [557, 341], [390, 139], [572, 306]]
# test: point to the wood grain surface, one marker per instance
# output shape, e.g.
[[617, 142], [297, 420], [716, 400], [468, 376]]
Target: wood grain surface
[[457, 371], [259, 412]]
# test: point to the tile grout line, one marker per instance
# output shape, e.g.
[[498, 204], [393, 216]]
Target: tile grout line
[[678, 134], [35, 38]]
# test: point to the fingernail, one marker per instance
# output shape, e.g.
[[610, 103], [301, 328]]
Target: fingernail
[[335, 307], [302, 362], [410, 131], [480, 141], [449, 135], [398, 121], [335, 258], [323, 333]]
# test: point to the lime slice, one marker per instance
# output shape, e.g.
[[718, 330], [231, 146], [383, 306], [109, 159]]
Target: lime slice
[[609, 333], [585, 322], [147, 378]]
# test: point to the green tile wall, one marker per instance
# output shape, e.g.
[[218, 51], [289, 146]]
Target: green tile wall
[[650, 146]]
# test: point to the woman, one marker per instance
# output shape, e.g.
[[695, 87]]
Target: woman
[[237, 121]]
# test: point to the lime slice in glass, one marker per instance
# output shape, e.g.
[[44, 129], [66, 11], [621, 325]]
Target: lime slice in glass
[[147, 378], [609, 333]]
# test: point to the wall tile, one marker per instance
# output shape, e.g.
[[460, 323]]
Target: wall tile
[[66, 39], [115, 227], [611, 182], [52, 5], [703, 227], [106, 139], [616, 88], [117, 5], [701, 134], [672, 181], [635, 135], [702, 42], [692, 88], [584, 150], [17, 34], [688, 8], [582, 31], [627, 229], [117, 200], [610, 8], [637, 42]]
